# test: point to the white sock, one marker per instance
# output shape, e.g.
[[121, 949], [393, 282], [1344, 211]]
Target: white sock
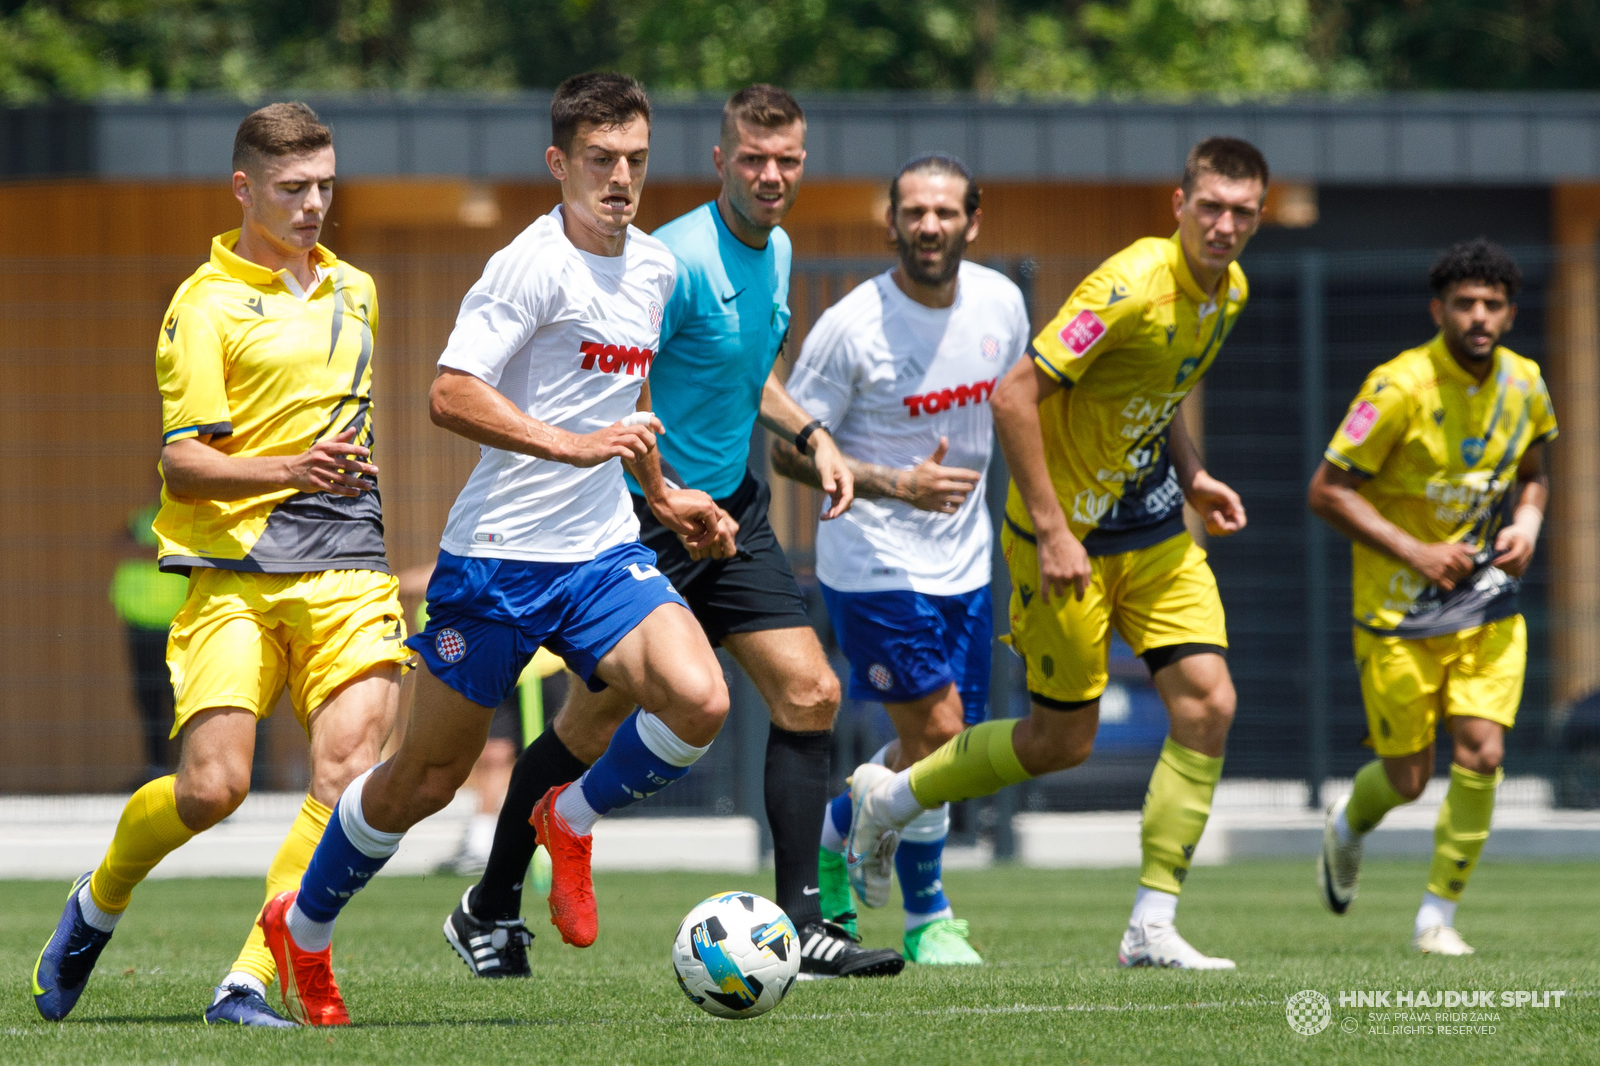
[[239, 977], [373, 843], [1153, 907], [1435, 910], [903, 806], [915, 921], [832, 839], [666, 745], [479, 838], [573, 808], [310, 935], [1342, 830], [104, 921]]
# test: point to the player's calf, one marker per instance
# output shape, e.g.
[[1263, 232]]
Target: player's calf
[[644, 756]]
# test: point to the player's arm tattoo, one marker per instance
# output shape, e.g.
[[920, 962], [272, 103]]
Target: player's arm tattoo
[[878, 482]]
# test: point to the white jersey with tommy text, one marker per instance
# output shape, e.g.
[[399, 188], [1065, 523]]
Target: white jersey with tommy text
[[568, 337], [889, 377]]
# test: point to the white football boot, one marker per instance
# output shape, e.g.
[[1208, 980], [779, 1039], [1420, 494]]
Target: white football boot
[[1441, 940], [869, 849], [1158, 944], [1338, 865]]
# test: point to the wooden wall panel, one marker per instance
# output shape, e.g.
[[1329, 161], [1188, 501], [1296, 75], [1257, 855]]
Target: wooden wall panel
[[86, 273]]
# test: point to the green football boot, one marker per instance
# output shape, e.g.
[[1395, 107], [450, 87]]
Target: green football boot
[[834, 882], [941, 942]]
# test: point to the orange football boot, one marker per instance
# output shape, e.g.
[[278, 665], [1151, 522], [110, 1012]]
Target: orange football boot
[[572, 909], [310, 994]]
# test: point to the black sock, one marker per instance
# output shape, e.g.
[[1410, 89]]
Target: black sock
[[543, 765], [797, 792]]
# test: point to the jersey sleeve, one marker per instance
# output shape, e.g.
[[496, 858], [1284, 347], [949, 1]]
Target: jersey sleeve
[[191, 373], [1541, 412], [1100, 314], [498, 314], [676, 310], [1374, 424], [821, 381]]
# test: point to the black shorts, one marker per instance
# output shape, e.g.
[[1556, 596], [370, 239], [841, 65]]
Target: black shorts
[[749, 593]]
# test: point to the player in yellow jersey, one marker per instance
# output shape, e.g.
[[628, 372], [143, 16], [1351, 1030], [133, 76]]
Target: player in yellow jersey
[[1094, 537], [271, 508], [1437, 477]]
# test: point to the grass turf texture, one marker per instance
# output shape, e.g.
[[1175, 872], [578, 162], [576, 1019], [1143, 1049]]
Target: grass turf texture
[[1052, 991]]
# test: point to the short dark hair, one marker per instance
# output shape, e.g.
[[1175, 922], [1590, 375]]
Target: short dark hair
[[1227, 157], [937, 163], [761, 105], [602, 99], [1479, 259], [278, 130]]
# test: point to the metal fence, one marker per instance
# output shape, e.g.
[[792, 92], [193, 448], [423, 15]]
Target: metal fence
[[82, 422]]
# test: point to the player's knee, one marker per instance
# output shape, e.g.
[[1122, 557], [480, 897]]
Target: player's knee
[[698, 706], [810, 705], [1218, 706], [204, 800]]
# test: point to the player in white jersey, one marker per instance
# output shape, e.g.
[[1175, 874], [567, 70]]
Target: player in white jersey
[[901, 371], [546, 371]]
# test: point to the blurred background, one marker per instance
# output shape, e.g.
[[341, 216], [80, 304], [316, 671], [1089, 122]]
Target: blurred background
[[1393, 130]]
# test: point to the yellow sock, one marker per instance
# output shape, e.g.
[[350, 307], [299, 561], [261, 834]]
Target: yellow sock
[[294, 855], [979, 762], [1463, 828], [1175, 813], [1372, 797], [148, 830]]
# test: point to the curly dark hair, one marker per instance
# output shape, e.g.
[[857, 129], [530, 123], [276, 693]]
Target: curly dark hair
[[1479, 259]]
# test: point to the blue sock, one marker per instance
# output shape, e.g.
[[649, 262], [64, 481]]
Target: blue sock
[[339, 868], [839, 813], [644, 757], [918, 866]]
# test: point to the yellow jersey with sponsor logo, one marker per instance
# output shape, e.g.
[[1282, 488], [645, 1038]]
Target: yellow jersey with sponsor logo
[[1128, 345], [1439, 453], [258, 367]]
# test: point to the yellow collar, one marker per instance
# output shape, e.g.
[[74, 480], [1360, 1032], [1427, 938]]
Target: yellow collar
[[225, 259], [1445, 364]]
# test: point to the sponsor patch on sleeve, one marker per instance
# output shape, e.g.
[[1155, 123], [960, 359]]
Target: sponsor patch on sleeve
[[1080, 334], [1363, 416]]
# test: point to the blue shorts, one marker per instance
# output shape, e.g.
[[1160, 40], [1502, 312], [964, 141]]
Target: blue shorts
[[486, 617], [903, 646]]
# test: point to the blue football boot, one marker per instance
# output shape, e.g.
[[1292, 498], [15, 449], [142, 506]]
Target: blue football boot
[[67, 960], [245, 1006]]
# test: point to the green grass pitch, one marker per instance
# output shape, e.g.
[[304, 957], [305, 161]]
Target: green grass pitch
[[1052, 992]]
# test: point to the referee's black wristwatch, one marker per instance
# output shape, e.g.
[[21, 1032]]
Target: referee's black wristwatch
[[803, 439]]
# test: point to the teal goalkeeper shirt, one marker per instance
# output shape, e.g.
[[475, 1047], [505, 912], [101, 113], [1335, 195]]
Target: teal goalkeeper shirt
[[720, 334]]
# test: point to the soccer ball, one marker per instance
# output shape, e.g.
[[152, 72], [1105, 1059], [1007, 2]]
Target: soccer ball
[[736, 955]]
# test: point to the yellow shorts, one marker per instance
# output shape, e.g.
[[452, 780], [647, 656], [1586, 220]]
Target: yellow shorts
[[1408, 685], [240, 637], [1156, 597]]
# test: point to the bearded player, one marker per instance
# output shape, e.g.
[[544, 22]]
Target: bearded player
[[713, 380], [1094, 537], [270, 505], [901, 371], [1437, 477]]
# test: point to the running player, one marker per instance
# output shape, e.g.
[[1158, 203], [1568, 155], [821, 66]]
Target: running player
[[1443, 444], [271, 506], [1094, 537], [545, 370], [901, 370], [720, 336]]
